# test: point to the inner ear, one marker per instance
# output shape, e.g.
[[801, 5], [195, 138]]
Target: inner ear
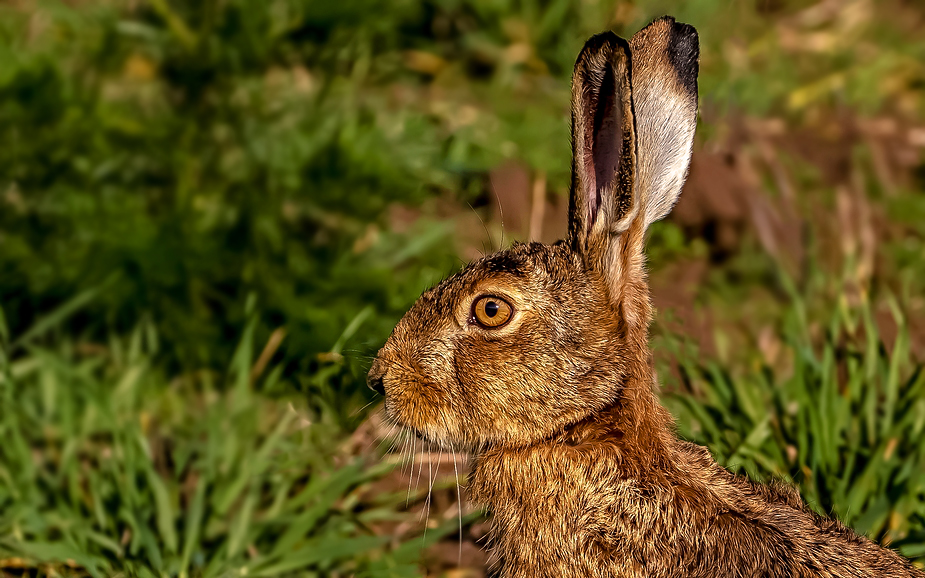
[[605, 141]]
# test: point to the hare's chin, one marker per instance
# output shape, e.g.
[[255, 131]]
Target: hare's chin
[[437, 440], [431, 435]]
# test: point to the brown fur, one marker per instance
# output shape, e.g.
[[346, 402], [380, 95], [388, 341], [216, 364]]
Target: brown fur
[[575, 458]]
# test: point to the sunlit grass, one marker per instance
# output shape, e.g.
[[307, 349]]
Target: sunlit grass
[[108, 467], [824, 403], [165, 162]]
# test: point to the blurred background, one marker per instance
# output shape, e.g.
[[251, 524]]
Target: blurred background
[[212, 214]]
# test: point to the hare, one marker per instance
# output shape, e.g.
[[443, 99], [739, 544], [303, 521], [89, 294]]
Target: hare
[[536, 359]]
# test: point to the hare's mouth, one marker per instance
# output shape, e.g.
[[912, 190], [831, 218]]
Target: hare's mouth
[[418, 433], [396, 418], [430, 441]]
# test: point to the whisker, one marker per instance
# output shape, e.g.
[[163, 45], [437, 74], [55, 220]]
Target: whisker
[[458, 506], [411, 468], [357, 412], [384, 439], [356, 353], [487, 232], [501, 210], [430, 490], [407, 457], [425, 512], [420, 469], [403, 442]]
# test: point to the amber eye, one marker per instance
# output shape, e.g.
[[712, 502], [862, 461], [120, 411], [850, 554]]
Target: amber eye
[[491, 311]]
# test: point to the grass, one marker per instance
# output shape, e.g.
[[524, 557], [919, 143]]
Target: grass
[[109, 468], [830, 407], [142, 475], [212, 213]]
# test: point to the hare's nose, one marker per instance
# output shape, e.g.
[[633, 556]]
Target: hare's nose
[[375, 384], [374, 380]]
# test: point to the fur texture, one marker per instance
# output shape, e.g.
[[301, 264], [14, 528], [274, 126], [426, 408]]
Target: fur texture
[[575, 458]]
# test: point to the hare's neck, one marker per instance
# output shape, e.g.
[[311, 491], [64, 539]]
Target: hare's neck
[[635, 435], [636, 424], [551, 503]]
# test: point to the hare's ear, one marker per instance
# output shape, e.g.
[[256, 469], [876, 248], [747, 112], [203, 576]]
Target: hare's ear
[[664, 82], [603, 144]]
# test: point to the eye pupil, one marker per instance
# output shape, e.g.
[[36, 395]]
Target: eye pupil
[[491, 312]]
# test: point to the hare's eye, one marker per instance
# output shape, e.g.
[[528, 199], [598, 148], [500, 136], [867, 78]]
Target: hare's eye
[[491, 312]]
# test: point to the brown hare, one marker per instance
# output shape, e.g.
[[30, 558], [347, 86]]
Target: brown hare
[[536, 359]]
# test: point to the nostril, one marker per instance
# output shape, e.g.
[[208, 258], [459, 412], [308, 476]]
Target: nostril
[[376, 384]]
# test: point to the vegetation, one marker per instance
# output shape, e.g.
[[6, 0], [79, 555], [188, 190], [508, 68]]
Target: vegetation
[[839, 415], [212, 213]]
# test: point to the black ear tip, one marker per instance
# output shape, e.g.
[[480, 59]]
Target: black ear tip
[[684, 38], [684, 52]]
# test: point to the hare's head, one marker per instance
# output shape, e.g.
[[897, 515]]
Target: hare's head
[[526, 341]]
